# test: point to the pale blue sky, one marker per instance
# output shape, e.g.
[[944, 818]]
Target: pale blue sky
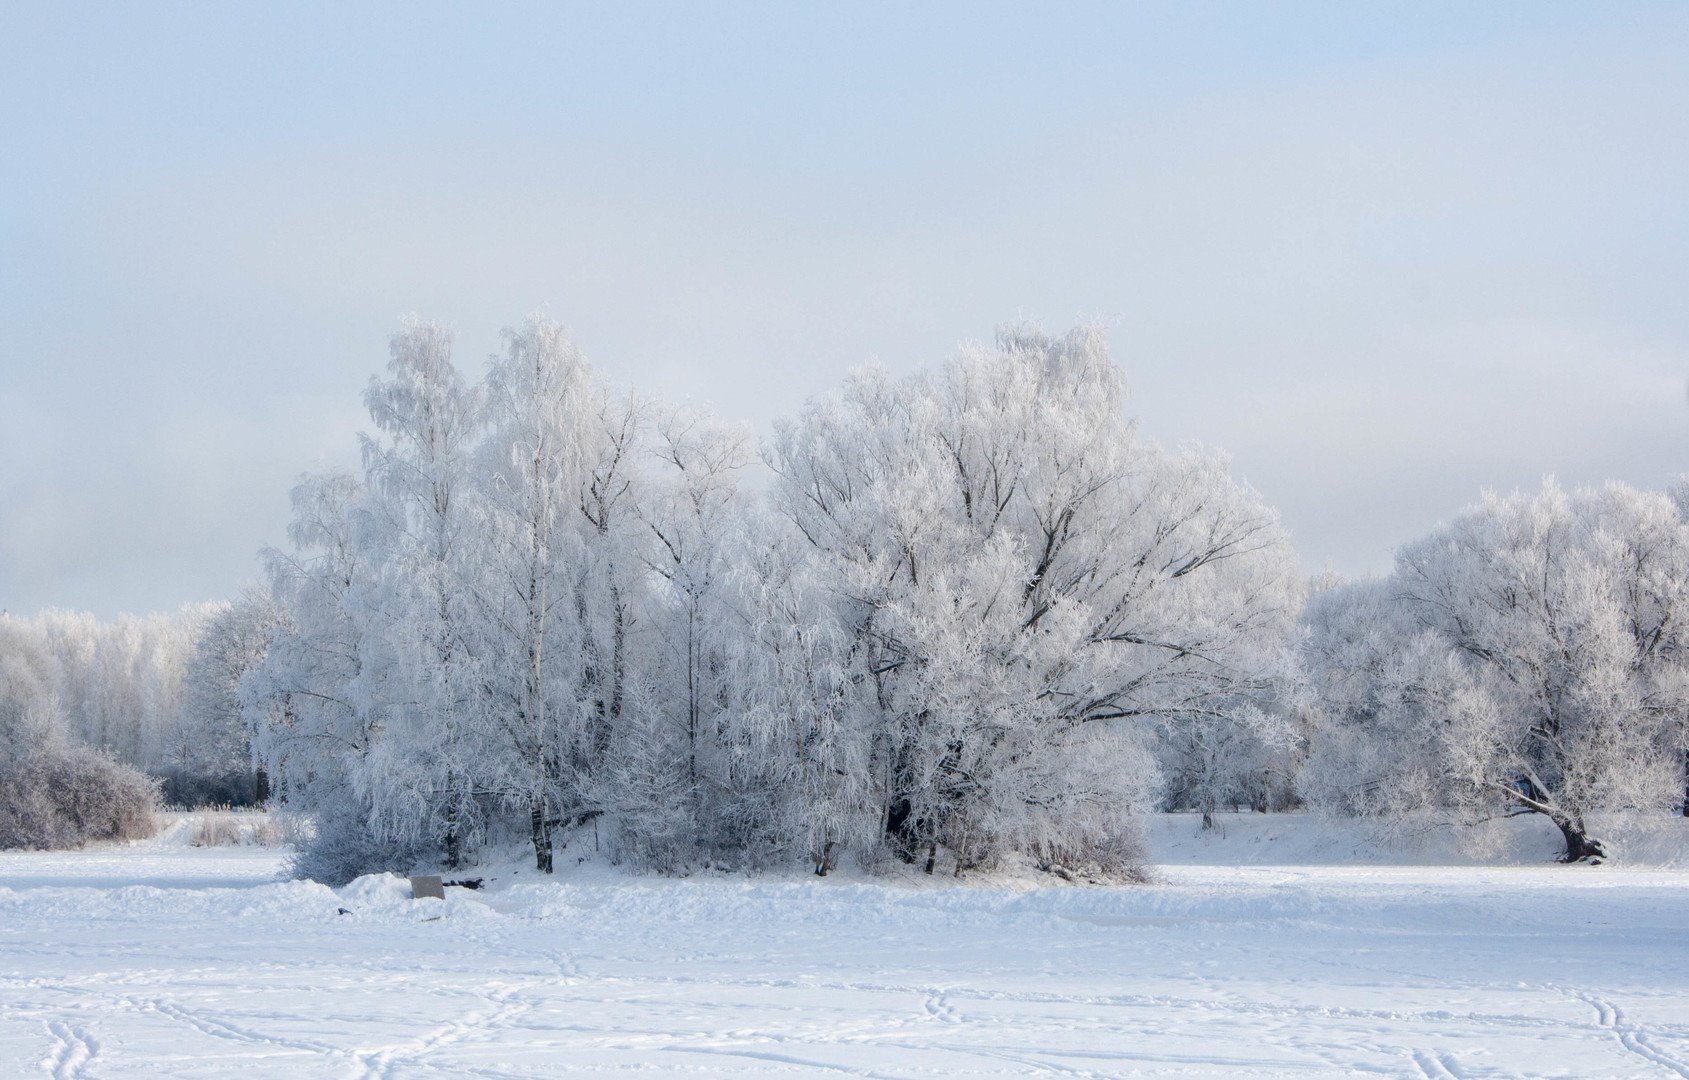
[[1387, 255]]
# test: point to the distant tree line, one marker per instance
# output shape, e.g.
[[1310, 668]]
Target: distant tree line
[[949, 619]]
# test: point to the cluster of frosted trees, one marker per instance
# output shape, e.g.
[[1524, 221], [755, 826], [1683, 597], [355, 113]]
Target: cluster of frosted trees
[[134, 689], [101, 720], [78, 699], [947, 619], [957, 617]]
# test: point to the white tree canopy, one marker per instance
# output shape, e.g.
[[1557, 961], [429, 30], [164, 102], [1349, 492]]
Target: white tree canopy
[[1529, 656]]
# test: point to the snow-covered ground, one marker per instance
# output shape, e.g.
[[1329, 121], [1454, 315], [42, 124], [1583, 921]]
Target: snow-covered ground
[[163, 960]]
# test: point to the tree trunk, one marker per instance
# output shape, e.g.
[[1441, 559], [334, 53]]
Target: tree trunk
[[1578, 844], [1686, 781], [542, 837], [932, 856], [900, 828], [692, 709], [454, 838], [618, 651], [261, 789]]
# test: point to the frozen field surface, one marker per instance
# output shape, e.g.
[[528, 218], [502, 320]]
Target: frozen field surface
[[162, 960]]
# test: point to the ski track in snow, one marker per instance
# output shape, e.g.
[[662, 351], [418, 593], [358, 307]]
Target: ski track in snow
[[212, 968], [1634, 1038], [72, 1052]]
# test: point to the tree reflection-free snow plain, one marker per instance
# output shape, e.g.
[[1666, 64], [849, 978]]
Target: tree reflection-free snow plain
[[164, 960]]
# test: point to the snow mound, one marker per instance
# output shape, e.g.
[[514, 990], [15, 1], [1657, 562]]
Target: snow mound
[[387, 898]]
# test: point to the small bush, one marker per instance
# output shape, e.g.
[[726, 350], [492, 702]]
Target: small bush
[[1118, 855], [342, 846], [62, 797]]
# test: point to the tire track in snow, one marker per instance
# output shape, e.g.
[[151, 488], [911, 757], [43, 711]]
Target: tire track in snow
[[1038, 1066], [218, 1028], [939, 1008], [1438, 1066], [73, 1050], [503, 1006], [1633, 1037], [1029, 1056], [982, 994], [782, 1059], [568, 968]]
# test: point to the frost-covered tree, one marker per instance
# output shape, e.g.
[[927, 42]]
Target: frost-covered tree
[[1528, 657], [210, 760], [554, 476], [119, 685], [673, 757], [1028, 585], [798, 729], [1385, 689], [415, 529], [315, 724], [972, 608]]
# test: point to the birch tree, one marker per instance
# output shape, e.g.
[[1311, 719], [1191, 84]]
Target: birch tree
[[692, 517], [315, 720], [543, 671], [419, 476]]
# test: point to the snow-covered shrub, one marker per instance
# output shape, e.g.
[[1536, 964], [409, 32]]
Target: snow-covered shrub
[[343, 846], [66, 796], [1113, 851]]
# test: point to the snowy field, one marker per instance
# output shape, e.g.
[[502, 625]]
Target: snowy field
[[163, 960]]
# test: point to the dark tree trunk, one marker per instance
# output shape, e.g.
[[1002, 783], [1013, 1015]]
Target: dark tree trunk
[[542, 837], [1686, 781], [261, 789], [454, 839], [932, 856], [618, 654], [1578, 843], [900, 829], [824, 861], [692, 712]]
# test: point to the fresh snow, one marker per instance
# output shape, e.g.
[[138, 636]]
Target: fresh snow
[[163, 960]]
